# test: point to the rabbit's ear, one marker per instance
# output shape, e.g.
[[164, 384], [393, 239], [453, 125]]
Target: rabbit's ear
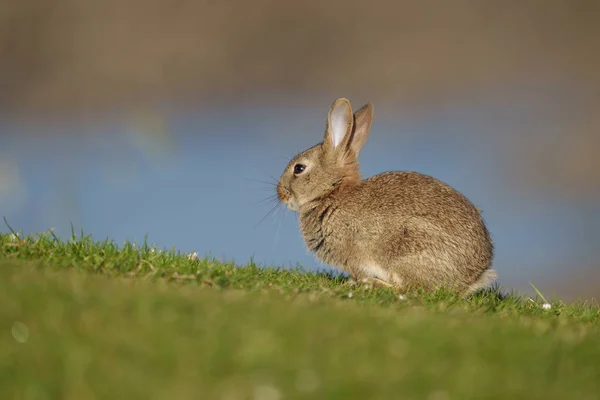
[[362, 127], [339, 126]]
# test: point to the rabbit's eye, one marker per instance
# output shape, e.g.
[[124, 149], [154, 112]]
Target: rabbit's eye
[[299, 168]]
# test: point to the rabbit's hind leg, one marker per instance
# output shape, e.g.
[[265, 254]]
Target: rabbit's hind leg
[[376, 282], [375, 276]]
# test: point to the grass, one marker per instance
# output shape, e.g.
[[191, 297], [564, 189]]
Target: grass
[[83, 319]]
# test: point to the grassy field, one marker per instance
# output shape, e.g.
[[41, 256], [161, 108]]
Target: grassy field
[[81, 319]]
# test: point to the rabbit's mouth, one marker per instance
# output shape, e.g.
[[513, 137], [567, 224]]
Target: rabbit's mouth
[[290, 203], [293, 206]]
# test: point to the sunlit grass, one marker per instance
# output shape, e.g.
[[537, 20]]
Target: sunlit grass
[[83, 318]]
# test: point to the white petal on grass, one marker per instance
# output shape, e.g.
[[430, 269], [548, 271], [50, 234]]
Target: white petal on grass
[[546, 306], [20, 332], [350, 295], [401, 297], [193, 256]]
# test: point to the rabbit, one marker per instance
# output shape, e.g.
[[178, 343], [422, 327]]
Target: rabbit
[[405, 230]]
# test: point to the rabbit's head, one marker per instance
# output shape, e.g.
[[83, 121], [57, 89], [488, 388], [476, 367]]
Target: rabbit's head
[[330, 165]]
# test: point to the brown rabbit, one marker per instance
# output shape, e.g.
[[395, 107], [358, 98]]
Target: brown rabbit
[[402, 229]]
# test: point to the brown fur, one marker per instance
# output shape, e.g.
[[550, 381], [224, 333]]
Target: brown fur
[[404, 228]]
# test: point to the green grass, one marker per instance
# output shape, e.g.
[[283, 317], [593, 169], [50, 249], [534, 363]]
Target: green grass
[[81, 319]]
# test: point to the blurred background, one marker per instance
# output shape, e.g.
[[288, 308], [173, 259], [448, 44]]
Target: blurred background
[[172, 118]]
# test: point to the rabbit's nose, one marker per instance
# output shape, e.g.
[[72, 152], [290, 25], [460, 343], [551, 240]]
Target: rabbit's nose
[[282, 194]]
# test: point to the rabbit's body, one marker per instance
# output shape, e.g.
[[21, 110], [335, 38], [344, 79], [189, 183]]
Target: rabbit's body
[[404, 228], [438, 237]]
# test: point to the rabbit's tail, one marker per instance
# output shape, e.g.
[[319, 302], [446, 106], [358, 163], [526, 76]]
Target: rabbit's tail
[[485, 280]]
